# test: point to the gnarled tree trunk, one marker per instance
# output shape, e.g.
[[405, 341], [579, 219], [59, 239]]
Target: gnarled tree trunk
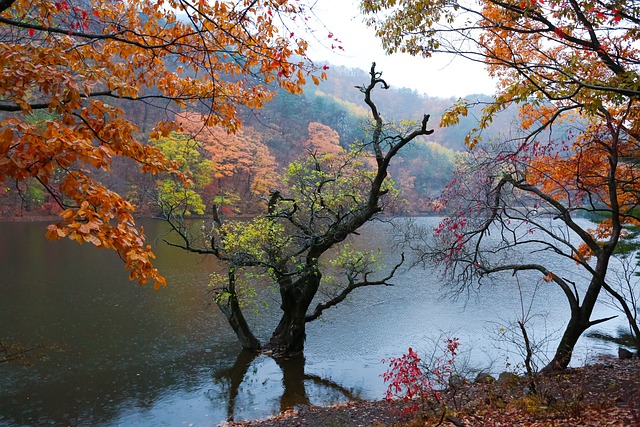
[[296, 296]]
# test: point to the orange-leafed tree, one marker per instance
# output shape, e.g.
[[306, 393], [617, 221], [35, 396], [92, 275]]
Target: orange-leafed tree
[[322, 139], [572, 69], [84, 61], [242, 166]]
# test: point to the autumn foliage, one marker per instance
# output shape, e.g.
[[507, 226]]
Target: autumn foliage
[[71, 67], [323, 140], [420, 384], [241, 163]]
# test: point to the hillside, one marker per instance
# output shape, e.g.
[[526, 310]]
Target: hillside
[[246, 166]]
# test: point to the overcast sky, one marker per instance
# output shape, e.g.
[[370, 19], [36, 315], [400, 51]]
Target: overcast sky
[[442, 76]]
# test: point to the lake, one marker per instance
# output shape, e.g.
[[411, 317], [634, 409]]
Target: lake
[[113, 353]]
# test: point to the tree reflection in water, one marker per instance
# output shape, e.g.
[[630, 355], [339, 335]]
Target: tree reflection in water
[[295, 391]]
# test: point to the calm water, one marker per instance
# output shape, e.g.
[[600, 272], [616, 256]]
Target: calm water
[[114, 353]]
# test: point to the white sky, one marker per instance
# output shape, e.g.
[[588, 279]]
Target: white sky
[[439, 76]]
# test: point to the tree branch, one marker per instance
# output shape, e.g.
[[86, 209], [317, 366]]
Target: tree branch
[[317, 312]]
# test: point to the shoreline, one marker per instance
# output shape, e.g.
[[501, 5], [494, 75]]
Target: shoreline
[[605, 392]]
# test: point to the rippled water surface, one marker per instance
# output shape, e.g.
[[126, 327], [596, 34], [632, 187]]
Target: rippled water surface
[[114, 353]]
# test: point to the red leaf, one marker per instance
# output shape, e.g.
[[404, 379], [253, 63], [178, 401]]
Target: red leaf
[[617, 16]]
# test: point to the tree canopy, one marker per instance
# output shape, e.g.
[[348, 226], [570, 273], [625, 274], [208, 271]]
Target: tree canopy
[[548, 56], [81, 62], [569, 65]]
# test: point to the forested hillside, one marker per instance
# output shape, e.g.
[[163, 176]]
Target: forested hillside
[[236, 171]]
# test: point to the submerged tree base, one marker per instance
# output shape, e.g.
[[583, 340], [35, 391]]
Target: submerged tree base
[[325, 200]]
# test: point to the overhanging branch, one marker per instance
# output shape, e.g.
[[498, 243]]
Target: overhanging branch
[[317, 312]]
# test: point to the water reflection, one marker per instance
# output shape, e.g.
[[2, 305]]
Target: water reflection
[[293, 388], [233, 378], [119, 354]]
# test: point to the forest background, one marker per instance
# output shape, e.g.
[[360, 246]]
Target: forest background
[[236, 171]]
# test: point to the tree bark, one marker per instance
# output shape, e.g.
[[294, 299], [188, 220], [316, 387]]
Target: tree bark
[[290, 334], [230, 306], [6, 4], [571, 335], [233, 313], [580, 319]]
